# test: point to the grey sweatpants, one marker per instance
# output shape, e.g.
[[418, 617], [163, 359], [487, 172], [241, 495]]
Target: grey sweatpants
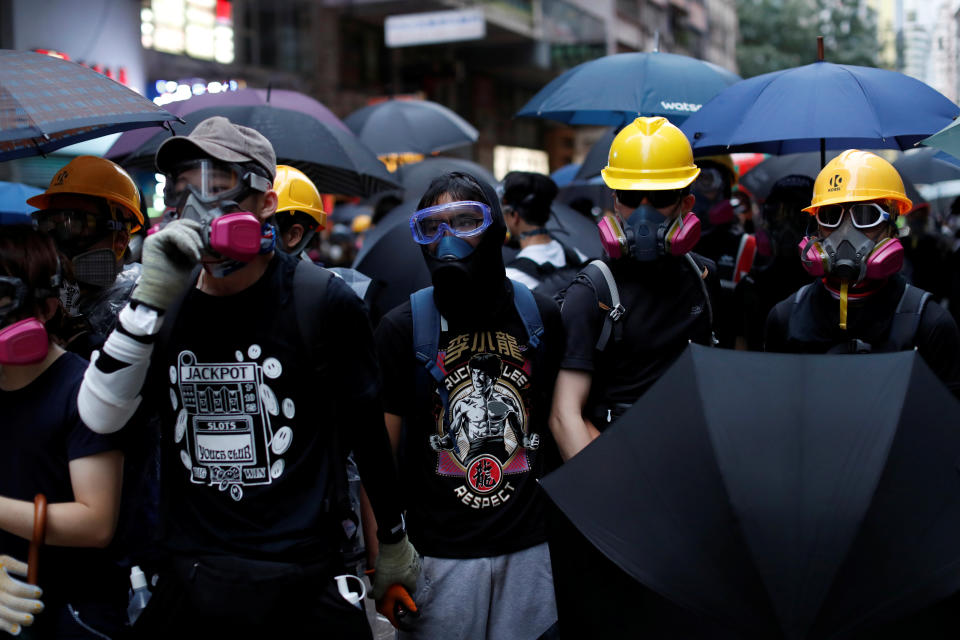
[[508, 596]]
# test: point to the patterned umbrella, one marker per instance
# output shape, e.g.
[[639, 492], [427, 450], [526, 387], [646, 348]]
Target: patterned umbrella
[[47, 103]]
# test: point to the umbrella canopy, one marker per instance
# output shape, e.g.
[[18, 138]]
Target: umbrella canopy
[[615, 89], [331, 156], [844, 106], [416, 177], [410, 126], [13, 198], [935, 177], [562, 176], [596, 159], [803, 497], [947, 140], [47, 103], [292, 100], [759, 180]]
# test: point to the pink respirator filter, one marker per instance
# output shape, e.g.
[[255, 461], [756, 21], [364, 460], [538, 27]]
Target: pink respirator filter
[[236, 236], [23, 342]]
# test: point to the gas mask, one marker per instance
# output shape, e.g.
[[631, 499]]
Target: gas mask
[[648, 234], [236, 236], [848, 254], [25, 341]]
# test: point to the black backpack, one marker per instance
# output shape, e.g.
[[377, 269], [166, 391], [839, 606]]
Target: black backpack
[[552, 278], [597, 276]]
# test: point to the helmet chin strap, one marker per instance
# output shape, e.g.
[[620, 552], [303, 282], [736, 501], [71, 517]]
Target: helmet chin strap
[[844, 286]]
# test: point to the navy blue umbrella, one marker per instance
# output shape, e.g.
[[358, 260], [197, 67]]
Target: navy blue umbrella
[[819, 106], [615, 89]]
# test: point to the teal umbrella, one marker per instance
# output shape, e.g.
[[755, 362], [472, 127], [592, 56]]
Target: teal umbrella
[[946, 140]]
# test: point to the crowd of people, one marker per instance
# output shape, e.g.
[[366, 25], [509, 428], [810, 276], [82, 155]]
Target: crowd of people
[[203, 412]]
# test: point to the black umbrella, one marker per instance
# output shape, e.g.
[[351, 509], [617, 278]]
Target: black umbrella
[[392, 260], [416, 177], [802, 497], [410, 126], [760, 179], [934, 175], [332, 157]]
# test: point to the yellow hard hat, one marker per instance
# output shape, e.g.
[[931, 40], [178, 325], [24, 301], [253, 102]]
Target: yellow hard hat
[[361, 223], [724, 161], [650, 154], [97, 177], [296, 192], [854, 176]]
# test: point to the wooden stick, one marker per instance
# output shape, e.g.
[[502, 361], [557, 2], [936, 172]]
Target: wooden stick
[[819, 48]]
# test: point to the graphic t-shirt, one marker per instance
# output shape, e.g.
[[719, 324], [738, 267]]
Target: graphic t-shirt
[[469, 473], [248, 418], [40, 434]]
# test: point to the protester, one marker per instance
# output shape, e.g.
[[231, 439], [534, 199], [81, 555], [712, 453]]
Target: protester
[[299, 210], [723, 239], [45, 448], [469, 366], [543, 264], [776, 272], [627, 319], [258, 407], [860, 303], [91, 208]]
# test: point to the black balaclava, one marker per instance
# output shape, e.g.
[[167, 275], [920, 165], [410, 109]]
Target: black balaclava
[[472, 290]]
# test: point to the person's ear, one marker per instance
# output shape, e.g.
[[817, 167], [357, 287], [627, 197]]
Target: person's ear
[[48, 308], [686, 205], [269, 207], [294, 235]]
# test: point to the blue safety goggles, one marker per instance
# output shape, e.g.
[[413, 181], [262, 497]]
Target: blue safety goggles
[[463, 219]]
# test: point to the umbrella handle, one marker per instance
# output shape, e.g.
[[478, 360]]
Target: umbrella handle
[[39, 535]]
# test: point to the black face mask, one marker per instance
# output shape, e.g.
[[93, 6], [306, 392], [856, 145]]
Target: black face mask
[[472, 289]]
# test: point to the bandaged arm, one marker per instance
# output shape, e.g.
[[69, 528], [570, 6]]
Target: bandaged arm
[[112, 384]]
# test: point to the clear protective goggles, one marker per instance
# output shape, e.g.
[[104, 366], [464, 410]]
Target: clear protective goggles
[[863, 215], [464, 219], [211, 181]]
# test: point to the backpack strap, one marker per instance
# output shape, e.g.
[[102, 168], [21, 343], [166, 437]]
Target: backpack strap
[[309, 292], [598, 275], [701, 275], [528, 267], [526, 306], [427, 324], [906, 319]]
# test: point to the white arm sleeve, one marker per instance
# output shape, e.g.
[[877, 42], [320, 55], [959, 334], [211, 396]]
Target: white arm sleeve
[[107, 400]]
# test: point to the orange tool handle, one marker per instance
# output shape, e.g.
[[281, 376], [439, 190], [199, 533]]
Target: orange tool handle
[[39, 534]]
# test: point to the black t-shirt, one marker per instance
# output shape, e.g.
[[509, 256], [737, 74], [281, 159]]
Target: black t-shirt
[[248, 418], [722, 245], [937, 338], [665, 310], [471, 485], [41, 434]]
